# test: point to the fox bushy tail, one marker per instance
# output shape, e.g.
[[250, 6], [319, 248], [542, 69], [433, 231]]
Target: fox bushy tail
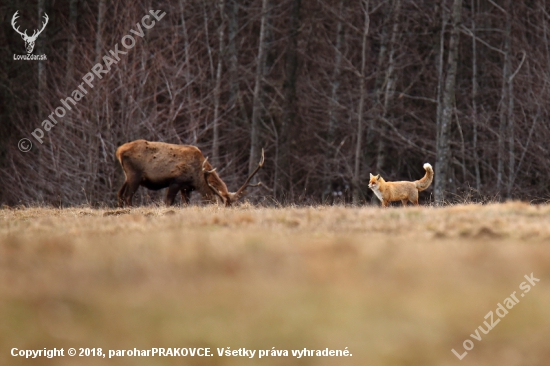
[[425, 182]]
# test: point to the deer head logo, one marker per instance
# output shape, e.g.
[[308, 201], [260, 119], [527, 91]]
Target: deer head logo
[[29, 40]]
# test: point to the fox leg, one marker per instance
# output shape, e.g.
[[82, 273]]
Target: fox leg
[[414, 198], [404, 202], [385, 203]]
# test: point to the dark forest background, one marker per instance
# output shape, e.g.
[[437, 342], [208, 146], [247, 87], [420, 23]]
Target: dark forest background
[[333, 90]]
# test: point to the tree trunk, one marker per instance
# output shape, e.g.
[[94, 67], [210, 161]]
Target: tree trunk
[[545, 29], [232, 29], [379, 81], [511, 139], [42, 81], [440, 64], [503, 109], [332, 114], [289, 91], [42, 86], [73, 12], [99, 30], [217, 90], [474, 99], [207, 36], [377, 92], [448, 97], [257, 101], [93, 141], [510, 102], [188, 79], [389, 89], [356, 172]]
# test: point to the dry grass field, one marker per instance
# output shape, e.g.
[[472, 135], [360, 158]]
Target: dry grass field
[[395, 286]]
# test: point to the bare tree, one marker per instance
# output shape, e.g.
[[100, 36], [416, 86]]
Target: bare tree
[[73, 14], [505, 102], [389, 84], [333, 106], [288, 127], [257, 103], [232, 56], [447, 105], [187, 68], [474, 97], [359, 135], [42, 77], [217, 88]]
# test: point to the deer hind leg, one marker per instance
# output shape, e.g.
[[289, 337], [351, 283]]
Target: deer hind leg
[[120, 194], [132, 185], [173, 190]]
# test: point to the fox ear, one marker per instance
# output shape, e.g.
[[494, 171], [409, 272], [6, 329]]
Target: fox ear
[[378, 177], [371, 175]]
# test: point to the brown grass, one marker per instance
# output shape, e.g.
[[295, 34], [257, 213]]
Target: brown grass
[[396, 286]]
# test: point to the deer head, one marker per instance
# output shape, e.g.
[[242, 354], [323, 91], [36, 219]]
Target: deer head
[[29, 40], [232, 197]]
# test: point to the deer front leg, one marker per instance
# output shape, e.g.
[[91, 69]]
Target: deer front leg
[[171, 194], [185, 196]]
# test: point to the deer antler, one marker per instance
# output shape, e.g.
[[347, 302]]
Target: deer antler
[[15, 16], [246, 185], [206, 174], [35, 34]]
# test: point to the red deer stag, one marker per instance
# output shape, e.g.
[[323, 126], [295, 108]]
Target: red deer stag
[[180, 168]]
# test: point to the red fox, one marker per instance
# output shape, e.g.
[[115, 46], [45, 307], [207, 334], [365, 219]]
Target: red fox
[[400, 191]]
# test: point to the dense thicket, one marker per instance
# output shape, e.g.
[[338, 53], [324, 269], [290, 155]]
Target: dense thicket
[[333, 90]]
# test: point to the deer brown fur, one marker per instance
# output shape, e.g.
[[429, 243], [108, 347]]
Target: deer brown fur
[[180, 168]]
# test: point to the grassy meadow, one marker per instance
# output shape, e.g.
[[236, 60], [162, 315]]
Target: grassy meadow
[[398, 286]]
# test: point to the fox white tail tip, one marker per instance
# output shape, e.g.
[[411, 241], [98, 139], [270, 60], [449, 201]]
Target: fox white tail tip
[[427, 166]]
